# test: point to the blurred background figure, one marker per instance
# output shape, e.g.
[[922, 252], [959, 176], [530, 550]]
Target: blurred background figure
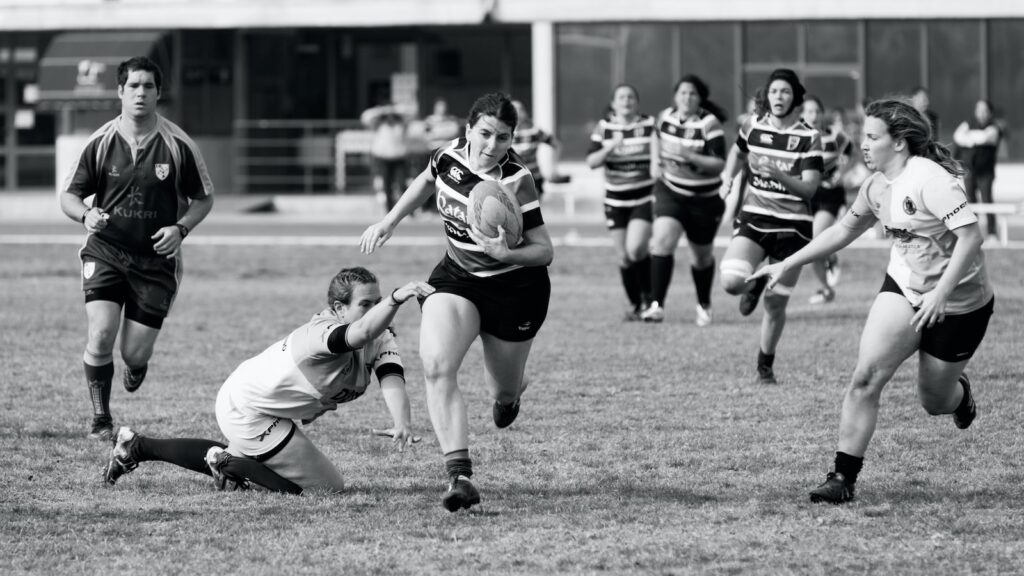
[[527, 139], [437, 130], [977, 142], [919, 98], [388, 150]]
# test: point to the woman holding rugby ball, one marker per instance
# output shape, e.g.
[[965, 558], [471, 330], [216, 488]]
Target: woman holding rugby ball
[[483, 287]]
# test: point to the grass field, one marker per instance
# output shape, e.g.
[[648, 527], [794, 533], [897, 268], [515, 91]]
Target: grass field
[[641, 449]]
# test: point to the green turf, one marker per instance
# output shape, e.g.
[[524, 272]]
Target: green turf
[[640, 449]]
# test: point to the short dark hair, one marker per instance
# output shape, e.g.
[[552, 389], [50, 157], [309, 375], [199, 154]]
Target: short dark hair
[[340, 289], [494, 104], [139, 63]]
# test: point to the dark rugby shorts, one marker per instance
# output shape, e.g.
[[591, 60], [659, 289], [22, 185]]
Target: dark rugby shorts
[[958, 336], [144, 284], [512, 306], [699, 215], [778, 238], [829, 200], [620, 216]]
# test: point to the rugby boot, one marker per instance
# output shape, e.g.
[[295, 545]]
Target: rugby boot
[[121, 460], [966, 411], [216, 458], [748, 301], [766, 375], [654, 313], [461, 494], [133, 378], [102, 428], [704, 316], [834, 490]]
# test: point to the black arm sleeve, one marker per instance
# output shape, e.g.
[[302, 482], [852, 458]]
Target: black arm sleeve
[[336, 342]]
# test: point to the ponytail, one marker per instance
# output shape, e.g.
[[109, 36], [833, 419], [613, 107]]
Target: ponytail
[[940, 154]]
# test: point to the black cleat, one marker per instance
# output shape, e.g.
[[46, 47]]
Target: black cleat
[[748, 301], [121, 460], [102, 428], [966, 412], [216, 458], [834, 490], [461, 494], [133, 378], [505, 414], [766, 375]]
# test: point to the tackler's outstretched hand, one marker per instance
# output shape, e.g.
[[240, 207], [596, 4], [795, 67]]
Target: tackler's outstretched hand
[[400, 436], [415, 289], [374, 237], [772, 271]]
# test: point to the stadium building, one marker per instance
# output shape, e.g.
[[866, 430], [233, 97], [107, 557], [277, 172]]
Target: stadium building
[[267, 87]]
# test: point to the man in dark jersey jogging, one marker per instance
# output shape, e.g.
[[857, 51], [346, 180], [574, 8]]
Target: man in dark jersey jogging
[[150, 188]]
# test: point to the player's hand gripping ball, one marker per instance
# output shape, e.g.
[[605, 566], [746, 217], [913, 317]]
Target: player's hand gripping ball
[[490, 206]]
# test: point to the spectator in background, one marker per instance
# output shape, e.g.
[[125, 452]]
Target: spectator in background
[[977, 141], [439, 129], [388, 150], [527, 139], [919, 97]]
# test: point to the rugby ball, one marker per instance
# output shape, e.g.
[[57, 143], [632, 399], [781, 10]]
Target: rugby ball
[[490, 206]]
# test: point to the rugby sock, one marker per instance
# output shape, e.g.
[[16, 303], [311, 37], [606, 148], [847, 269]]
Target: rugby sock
[[457, 463], [630, 283], [702, 281], [849, 466], [661, 276], [643, 274], [98, 379], [185, 452], [765, 359], [259, 473]]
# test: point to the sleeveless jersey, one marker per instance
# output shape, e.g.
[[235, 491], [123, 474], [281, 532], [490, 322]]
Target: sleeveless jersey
[[701, 133], [627, 168], [526, 141], [449, 165], [299, 378], [919, 210], [793, 150], [834, 146], [142, 189]]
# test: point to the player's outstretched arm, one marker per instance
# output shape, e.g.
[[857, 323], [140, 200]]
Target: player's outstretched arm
[[414, 196], [833, 239], [392, 388], [378, 318]]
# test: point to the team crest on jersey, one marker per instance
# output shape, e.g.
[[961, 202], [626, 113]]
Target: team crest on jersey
[[455, 174], [765, 138], [162, 171], [88, 270], [909, 207], [792, 143]]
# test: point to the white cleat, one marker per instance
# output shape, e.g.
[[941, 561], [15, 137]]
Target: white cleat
[[704, 316]]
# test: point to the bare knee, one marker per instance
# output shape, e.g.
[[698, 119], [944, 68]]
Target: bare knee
[[866, 384], [733, 275], [438, 369], [136, 355], [775, 303], [101, 339]]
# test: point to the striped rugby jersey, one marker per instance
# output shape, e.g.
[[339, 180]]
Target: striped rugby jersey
[[701, 133], [449, 165], [834, 145], [526, 141], [627, 168], [919, 209], [142, 189], [793, 150], [300, 378]]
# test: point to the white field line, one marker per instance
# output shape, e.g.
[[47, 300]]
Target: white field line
[[570, 239]]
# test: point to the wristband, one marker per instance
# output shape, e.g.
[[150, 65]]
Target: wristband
[[86, 213], [183, 230], [396, 301]]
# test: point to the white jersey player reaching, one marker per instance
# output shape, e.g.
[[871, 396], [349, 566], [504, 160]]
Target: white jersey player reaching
[[325, 362]]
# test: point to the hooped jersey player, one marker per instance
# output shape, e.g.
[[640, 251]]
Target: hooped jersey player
[[454, 180], [919, 210], [627, 168], [793, 150], [526, 141], [834, 146], [143, 188], [700, 133], [311, 371]]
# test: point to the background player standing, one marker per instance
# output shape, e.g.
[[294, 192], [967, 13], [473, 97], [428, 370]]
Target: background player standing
[[527, 139], [622, 142], [483, 287], [150, 188]]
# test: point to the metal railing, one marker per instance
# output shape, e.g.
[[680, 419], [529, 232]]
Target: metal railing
[[298, 156]]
